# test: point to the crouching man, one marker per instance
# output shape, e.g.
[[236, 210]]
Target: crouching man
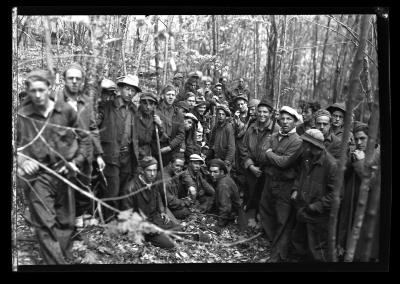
[[148, 201], [227, 194], [312, 195]]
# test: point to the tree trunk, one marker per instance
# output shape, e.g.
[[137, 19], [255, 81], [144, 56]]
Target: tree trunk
[[255, 57], [157, 55], [281, 61], [321, 68], [353, 90], [315, 51]]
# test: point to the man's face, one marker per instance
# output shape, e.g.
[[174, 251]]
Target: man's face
[[193, 86], [287, 122], [148, 106], [218, 90], [39, 92], [207, 85], [191, 101], [307, 115], [263, 114], [224, 81], [361, 139], [195, 166], [177, 82], [170, 97], [127, 92], [241, 82], [73, 80], [177, 166], [201, 109], [221, 115], [252, 112], [323, 124], [241, 105], [337, 118], [150, 173], [188, 123], [216, 173]]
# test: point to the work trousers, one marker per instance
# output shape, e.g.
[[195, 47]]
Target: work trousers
[[52, 207], [277, 216], [255, 187], [83, 203]]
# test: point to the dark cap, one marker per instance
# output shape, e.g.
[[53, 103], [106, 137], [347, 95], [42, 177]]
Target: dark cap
[[149, 96], [267, 103], [225, 109], [218, 163], [39, 74], [240, 97], [147, 161], [337, 106], [183, 104], [360, 126]]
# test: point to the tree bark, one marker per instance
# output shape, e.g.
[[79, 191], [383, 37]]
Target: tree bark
[[321, 68], [353, 90], [315, 51], [157, 55], [281, 61], [47, 37]]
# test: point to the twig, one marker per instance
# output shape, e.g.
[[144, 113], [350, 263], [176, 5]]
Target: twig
[[36, 137], [243, 241]]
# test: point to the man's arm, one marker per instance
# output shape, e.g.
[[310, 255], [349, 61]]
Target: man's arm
[[230, 155], [286, 160], [180, 133]]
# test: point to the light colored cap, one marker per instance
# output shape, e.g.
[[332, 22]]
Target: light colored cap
[[315, 137], [195, 157], [191, 115], [290, 111], [131, 80], [108, 85]]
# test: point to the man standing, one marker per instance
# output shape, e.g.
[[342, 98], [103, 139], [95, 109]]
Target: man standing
[[51, 201], [173, 123], [205, 191], [308, 117], [75, 94], [116, 118], [190, 144], [323, 123], [177, 82], [240, 90], [222, 140], [219, 95], [337, 111], [280, 168], [252, 106], [312, 193], [227, 194]]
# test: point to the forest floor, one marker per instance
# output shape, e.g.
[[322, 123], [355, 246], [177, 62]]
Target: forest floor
[[207, 244]]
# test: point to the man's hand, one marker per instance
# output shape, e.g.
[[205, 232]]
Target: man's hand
[[71, 166], [30, 167], [165, 149], [157, 120], [269, 150], [255, 170], [237, 114], [192, 190], [359, 155], [294, 195], [165, 218], [101, 163]]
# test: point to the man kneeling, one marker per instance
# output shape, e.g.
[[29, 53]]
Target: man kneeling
[[148, 201]]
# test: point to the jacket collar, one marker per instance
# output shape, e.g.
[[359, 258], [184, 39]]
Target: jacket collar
[[29, 109], [67, 96]]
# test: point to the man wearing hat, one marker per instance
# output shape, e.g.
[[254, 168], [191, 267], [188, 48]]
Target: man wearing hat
[[256, 139], [275, 207], [225, 90], [173, 124], [179, 187], [323, 122], [219, 95], [252, 107], [337, 111], [222, 139], [350, 195], [203, 125], [76, 94], [119, 137], [183, 107], [227, 194], [51, 201], [312, 194], [177, 82], [190, 98], [205, 191], [148, 201], [308, 117], [190, 145], [241, 90]]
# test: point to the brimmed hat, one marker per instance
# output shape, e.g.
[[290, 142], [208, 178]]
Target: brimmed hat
[[195, 157], [189, 94], [322, 112], [253, 103], [200, 100], [183, 104], [218, 84], [290, 111], [218, 163], [315, 137], [337, 106], [267, 103], [147, 161], [130, 80], [360, 126], [149, 96], [195, 74], [225, 109], [44, 75], [241, 97], [74, 65], [191, 115], [109, 85], [178, 76]]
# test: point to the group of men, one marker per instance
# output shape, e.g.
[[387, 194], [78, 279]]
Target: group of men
[[189, 150]]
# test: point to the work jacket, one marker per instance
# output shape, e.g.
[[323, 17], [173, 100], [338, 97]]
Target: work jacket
[[222, 142], [333, 145], [228, 200], [202, 186], [174, 130]]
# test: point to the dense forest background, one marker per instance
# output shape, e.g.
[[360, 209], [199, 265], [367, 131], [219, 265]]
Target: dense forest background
[[300, 57]]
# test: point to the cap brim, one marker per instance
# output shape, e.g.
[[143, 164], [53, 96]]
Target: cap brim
[[305, 138]]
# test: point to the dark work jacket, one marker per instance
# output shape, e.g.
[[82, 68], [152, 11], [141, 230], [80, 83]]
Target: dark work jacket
[[228, 200], [174, 130], [333, 145], [315, 185], [201, 184], [176, 188], [112, 127], [191, 147], [300, 129], [71, 145], [256, 141], [222, 142]]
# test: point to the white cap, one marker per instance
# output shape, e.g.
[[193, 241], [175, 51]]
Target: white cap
[[191, 115], [195, 157], [290, 111], [131, 80]]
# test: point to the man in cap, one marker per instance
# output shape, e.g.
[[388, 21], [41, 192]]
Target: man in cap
[[179, 187], [252, 109], [337, 111], [51, 201], [323, 122], [76, 94], [190, 144], [177, 82], [203, 125], [190, 98], [219, 95], [206, 90], [173, 124], [118, 138], [227, 194], [280, 169], [222, 140], [312, 194], [240, 90], [350, 195], [308, 117], [225, 90], [256, 139], [148, 201], [183, 107], [205, 191]]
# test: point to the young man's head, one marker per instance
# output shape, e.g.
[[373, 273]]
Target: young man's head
[[309, 110], [148, 169], [201, 108], [313, 143], [207, 84], [252, 106], [177, 163], [360, 132], [195, 162], [191, 99], [148, 103], [218, 90], [177, 80], [264, 111], [288, 118], [241, 82], [222, 113], [217, 169], [38, 87], [74, 78], [241, 105], [128, 87], [323, 121], [169, 94], [189, 121], [337, 111]]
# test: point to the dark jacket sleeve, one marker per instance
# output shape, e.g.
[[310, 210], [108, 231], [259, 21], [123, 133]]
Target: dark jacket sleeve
[[94, 130], [230, 155], [84, 140], [324, 203], [208, 188], [290, 156], [176, 141], [244, 151], [224, 201]]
